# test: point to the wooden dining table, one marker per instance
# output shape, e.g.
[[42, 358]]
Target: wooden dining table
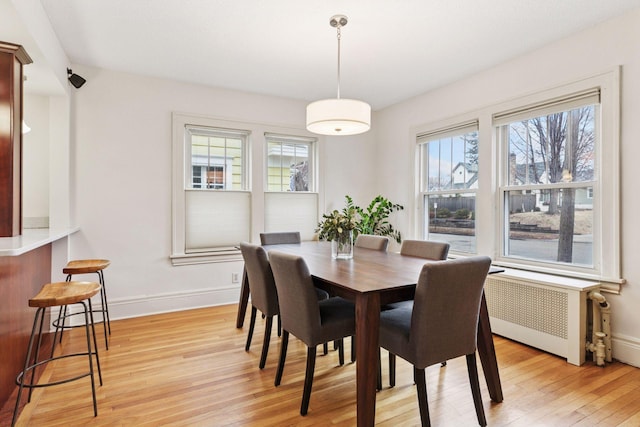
[[371, 279]]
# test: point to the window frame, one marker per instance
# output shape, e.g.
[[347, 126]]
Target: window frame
[[305, 204], [309, 142], [606, 204], [431, 133], [218, 132], [255, 184]]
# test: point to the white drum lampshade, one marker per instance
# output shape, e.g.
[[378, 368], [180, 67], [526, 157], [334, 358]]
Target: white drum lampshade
[[338, 117]]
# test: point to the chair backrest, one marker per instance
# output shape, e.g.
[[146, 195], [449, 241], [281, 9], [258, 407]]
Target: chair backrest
[[299, 309], [427, 249], [444, 321], [262, 287], [280, 237], [369, 241]]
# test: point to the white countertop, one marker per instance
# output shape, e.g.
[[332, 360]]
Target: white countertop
[[31, 239]]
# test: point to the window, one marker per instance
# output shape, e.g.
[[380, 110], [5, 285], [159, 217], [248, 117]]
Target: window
[[550, 157], [559, 180], [289, 163], [232, 180], [216, 158], [211, 201], [448, 184], [291, 200]]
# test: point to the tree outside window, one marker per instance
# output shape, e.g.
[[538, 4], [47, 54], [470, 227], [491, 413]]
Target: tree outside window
[[550, 184]]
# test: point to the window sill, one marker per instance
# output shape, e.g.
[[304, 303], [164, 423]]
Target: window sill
[[563, 278], [232, 255]]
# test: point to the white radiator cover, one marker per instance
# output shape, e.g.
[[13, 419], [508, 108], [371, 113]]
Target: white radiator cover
[[543, 311]]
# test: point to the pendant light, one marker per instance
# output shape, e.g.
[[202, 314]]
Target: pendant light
[[338, 116]]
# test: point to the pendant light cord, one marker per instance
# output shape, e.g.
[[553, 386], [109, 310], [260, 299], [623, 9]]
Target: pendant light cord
[[338, 62]]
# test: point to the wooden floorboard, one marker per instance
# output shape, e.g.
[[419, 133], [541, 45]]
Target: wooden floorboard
[[190, 369]]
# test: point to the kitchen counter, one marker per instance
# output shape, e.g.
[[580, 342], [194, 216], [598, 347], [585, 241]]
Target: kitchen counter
[[31, 239]]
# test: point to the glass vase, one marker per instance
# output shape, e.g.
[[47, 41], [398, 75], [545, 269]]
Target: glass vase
[[342, 246]]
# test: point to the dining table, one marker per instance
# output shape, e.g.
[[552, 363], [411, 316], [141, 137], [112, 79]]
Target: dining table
[[372, 279]]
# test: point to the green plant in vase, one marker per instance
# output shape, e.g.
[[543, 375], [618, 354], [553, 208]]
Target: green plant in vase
[[338, 228]]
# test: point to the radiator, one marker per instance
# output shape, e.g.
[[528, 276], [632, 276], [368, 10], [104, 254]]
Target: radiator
[[543, 311]]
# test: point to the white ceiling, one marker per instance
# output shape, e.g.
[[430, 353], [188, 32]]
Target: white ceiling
[[391, 49]]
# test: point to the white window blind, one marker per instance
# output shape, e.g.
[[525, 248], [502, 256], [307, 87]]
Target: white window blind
[[291, 211], [216, 220], [459, 129], [556, 105]]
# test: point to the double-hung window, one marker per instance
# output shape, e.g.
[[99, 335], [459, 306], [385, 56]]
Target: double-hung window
[[211, 197], [549, 180], [448, 185], [558, 180], [291, 198]]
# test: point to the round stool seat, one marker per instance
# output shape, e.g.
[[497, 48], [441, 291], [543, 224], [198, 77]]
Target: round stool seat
[[82, 266], [64, 293]]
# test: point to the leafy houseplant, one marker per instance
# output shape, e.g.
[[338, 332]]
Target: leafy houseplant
[[374, 219], [352, 220]]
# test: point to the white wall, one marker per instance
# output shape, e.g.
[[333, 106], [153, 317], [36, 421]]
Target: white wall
[[599, 49], [121, 183], [35, 161]]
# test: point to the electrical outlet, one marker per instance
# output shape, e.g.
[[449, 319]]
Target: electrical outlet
[[235, 277]]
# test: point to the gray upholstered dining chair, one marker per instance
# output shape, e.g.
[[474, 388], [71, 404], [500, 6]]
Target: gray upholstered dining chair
[[442, 325], [427, 249], [264, 296], [369, 241], [288, 237], [280, 237], [311, 320]]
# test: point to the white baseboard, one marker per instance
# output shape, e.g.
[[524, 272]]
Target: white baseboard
[[626, 349], [165, 303]]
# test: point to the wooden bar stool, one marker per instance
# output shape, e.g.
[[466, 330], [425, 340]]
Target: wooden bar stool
[[59, 294], [87, 266]]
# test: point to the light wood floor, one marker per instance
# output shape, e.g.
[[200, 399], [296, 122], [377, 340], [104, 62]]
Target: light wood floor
[[190, 369]]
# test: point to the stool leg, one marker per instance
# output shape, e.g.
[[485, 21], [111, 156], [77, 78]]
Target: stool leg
[[20, 379], [90, 353], [105, 304], [95, 341], [106, 322], [62, 317]]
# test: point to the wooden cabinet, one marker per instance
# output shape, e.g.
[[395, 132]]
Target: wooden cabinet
[[12, 58]]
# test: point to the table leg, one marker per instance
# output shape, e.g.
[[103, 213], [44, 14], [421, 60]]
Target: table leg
[[367, 325], [244, 299], [487, 353]]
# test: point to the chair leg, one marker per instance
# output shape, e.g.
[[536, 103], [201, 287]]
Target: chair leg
[[392, 370], [325, 348], [279, 326], [341, 351], [472, 368], [265, 342], [308, 379], [421, 385], [283, 355], [252, 324]]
